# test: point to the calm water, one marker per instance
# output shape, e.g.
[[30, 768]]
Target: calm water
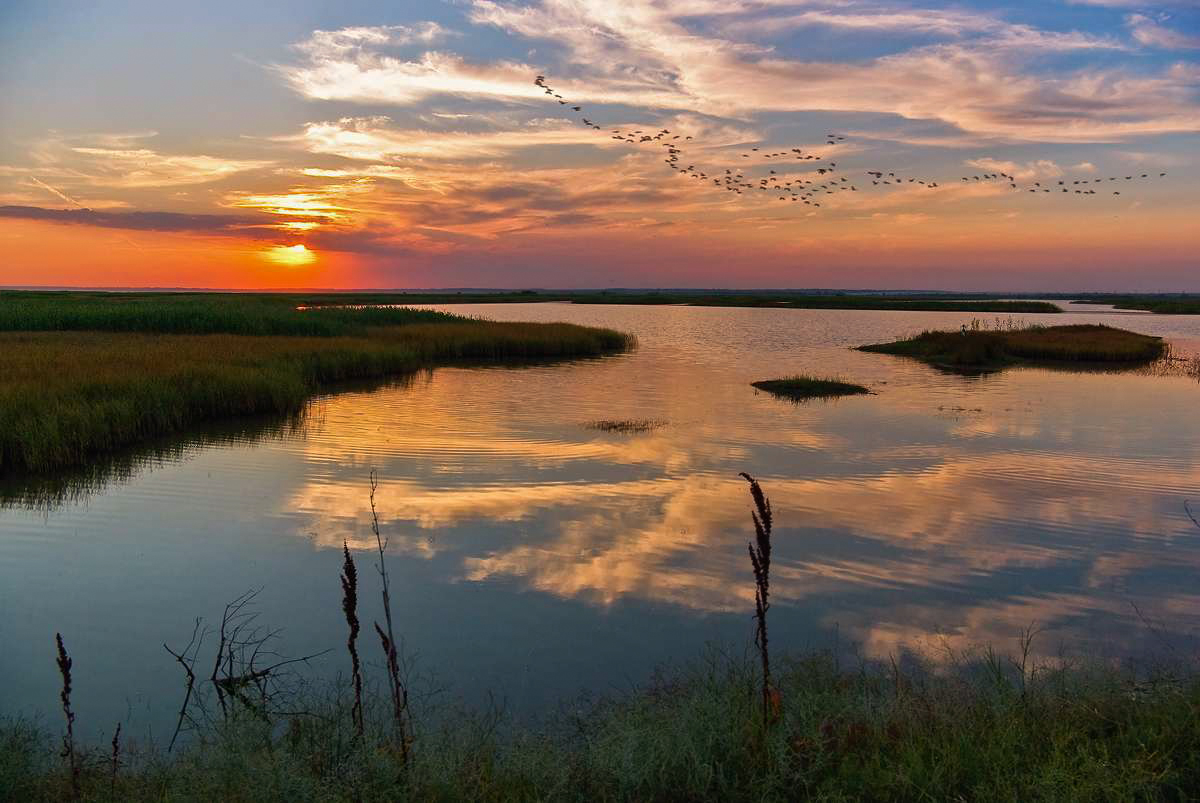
[[535, 557]]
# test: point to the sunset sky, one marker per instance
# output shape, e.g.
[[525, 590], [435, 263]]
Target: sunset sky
[[404, 144]]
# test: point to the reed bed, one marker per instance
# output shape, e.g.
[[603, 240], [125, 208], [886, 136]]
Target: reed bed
[[70, 396], [168, 313]]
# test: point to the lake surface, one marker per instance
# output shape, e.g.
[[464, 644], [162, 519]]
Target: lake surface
[[535, 557]]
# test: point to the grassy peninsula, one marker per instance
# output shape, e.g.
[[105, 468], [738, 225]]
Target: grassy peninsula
[[1160, 303], [799, 388], [86, 374], [977, 348]]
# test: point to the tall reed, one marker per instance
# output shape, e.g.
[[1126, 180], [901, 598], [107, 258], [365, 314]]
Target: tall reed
[[350, 608], [68, 749], [760, 560], [397, 685]]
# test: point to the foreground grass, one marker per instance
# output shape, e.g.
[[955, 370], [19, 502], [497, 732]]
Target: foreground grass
[[799, 388], [987, 731], [68, 396], [991, 349]]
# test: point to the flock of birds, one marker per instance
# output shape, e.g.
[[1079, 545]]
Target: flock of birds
[[817, 182]]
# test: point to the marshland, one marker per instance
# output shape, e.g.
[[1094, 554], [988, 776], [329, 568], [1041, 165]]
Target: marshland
[[999, 605]]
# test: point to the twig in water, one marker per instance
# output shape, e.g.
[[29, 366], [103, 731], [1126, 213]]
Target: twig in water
[[760, 559], [188, 667], [68, 751], [1187, 509]]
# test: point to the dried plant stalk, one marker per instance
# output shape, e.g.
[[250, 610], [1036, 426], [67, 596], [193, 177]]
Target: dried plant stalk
[[68, 751], [350, 608], [760, 560], [396, 682]]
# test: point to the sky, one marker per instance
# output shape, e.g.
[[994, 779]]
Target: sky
[[358, 144]]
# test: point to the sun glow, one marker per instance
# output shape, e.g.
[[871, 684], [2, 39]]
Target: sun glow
[[290, 255]]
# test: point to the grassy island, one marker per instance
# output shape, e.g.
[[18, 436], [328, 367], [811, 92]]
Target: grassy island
[[799, 388], [87, 374], [986, 349]]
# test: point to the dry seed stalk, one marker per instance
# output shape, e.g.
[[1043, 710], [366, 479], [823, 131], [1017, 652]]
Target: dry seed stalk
[[350, 607], [760, 560], [68, 751]]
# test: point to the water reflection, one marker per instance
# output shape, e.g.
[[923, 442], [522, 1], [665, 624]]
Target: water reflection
[[74, 486], [535, 555]]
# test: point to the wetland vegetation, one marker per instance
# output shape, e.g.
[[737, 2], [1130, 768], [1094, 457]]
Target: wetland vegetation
[[1161, 304], [992, 729], [714, 298], [801, 387], [86, 375], [980, 348]]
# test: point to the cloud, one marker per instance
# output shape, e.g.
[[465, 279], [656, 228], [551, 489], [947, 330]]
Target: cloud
[[143, 167], [115, 161], [675, 57], [346, 40], [373, 139], [354, 64], [1039, 169], [136, 220], [1152, 34]]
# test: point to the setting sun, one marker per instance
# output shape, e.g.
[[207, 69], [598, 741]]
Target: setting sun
[[290, 255]]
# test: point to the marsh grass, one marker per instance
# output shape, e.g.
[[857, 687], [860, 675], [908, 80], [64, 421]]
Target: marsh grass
[[981, 727], [983, 348], [1183, 304], [801, 387], [69, 396], [626, 426], [215, 313]]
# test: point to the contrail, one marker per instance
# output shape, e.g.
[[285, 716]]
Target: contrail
[[65, 197]]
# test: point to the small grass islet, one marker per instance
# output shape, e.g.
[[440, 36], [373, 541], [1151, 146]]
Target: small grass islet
[[801, 388], [978, 348], [629, 426]]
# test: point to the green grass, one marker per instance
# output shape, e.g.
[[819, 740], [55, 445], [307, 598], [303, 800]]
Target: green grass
[[171, 313], [984, 731], [991, 349], [88, 378], [799, 388]]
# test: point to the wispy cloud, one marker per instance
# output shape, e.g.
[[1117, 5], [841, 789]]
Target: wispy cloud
[[654, 55], [136, 220], [1152, 33]]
